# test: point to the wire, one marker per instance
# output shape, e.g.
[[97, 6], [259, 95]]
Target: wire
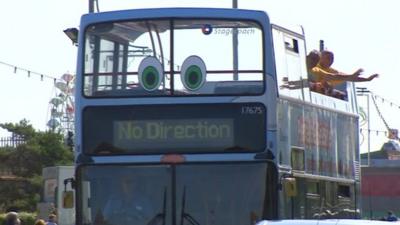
[[376, 131], [379, 113], [392, 132], [29, 72], [390, 102]]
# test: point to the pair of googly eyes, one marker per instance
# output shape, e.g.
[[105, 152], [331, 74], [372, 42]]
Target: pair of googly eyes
[[193, 73]]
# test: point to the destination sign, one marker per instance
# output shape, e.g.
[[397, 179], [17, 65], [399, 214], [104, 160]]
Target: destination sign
[[174, 133], [174, 128]]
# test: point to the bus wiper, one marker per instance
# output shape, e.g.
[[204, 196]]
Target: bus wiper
[[185, 215], [160, 216]]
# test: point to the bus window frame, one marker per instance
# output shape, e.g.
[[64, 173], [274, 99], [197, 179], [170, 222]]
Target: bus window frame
[[171, 71]]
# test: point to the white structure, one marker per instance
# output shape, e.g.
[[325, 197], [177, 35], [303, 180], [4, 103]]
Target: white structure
[[53, 194]]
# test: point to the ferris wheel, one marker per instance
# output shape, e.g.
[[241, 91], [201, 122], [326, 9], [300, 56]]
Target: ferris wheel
[[62, 106]]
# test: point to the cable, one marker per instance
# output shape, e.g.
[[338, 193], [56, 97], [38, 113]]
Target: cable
[[392, 133], [390, 102], [29, 72], [372, 130], [379, 112]]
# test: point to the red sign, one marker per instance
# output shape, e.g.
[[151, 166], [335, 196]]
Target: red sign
[[393, 134]]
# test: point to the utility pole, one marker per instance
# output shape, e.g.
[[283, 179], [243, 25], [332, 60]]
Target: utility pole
[[321, 45], [235, 43], [362, 91], [91, 6], [235, 4]]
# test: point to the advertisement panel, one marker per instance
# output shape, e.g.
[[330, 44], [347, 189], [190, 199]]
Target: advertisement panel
[[328, 139]]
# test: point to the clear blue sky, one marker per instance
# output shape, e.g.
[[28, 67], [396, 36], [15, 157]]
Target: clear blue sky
[[361, 33]]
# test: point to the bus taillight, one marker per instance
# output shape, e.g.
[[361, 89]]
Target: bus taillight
[[173, 158]]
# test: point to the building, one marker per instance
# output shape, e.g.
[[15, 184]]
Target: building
[[380, 181]]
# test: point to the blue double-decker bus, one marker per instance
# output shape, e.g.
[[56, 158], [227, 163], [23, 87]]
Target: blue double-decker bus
[[180, 120]]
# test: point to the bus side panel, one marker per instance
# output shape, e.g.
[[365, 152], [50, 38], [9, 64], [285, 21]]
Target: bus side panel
[[320, 145]]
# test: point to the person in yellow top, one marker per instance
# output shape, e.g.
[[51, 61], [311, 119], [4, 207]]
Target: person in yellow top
[[323, 72], [329, 77], [322, 77]]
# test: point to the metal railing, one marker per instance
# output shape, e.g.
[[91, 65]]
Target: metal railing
[[11, 141]]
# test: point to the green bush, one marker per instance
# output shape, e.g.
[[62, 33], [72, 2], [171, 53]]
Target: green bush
[[26, 218], [25, 162], [2, 216]]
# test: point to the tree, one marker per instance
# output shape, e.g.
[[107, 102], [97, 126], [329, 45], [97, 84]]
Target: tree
[[26, 161]]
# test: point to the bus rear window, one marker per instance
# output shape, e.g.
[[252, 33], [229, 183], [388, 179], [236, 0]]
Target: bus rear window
[[173, 57]]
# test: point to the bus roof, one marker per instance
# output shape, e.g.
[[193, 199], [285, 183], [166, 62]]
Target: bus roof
[[174, 13]]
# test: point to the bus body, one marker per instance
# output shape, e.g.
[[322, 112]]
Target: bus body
[[317, 138], [183, 107]]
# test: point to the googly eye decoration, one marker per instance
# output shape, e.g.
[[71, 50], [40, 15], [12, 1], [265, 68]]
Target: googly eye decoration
[[151, 73], [193, 73]]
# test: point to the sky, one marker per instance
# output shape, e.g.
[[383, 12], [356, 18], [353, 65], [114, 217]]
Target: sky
[[362, 34]]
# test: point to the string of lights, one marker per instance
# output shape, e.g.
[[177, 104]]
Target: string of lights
[[383, 100], [30, 73], [391, 133], [378, 132], [43, 76]]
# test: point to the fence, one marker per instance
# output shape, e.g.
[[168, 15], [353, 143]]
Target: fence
[[11, 141]]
